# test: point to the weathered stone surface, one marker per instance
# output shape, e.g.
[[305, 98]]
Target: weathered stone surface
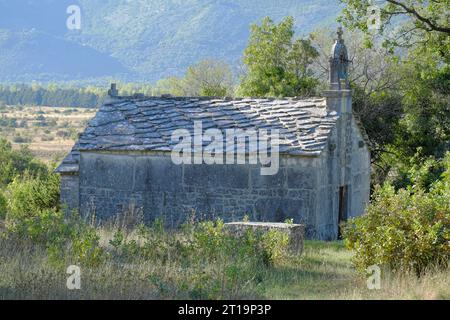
[[70, 192], [107, 171], [157, 174], [213, 176], [295, 232]]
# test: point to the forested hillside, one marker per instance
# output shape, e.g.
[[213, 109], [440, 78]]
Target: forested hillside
[[145, 40]]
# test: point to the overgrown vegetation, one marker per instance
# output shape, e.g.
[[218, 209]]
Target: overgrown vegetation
[[211, 262], [406, 227], [125, 259], [405, 230], [17, 162]]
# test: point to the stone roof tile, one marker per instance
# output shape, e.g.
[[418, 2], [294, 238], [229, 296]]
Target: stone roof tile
[[146, 124]]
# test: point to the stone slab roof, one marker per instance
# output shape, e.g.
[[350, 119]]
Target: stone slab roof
[[146, 124]]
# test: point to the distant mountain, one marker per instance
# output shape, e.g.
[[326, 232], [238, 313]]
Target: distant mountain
[[138, 39], [39, 56]]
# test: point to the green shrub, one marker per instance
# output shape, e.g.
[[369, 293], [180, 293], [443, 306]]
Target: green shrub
[[3, 206], [211, 262], [28, 196], [407, 230], [275, 245], [17, 162], [83, 243], [33, 218]]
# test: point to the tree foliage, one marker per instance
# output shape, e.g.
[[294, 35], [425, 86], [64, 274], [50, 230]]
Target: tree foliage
[[416, 35], [207, 78], [426, 104], [276, 63], [52, 95], [403, 23]]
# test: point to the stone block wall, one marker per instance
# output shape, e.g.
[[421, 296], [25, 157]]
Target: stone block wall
[[360, 178], [109, 182], [70, 191]]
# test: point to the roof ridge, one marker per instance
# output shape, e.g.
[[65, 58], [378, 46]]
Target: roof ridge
[[142, 97]]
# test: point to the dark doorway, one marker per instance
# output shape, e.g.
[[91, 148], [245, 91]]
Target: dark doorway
[[343, 194]]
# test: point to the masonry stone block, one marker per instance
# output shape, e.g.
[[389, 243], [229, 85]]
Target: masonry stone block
[[107, 171], [301, 178], [259, 181], [158, 174], [216, 176], [295, 232]]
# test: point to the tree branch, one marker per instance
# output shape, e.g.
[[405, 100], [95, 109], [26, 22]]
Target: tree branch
[[421, 18]]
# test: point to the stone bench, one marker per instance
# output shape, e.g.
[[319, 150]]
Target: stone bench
[[295, 232]]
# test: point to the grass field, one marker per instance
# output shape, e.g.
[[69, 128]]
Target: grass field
[[49, 132], [324, 271]]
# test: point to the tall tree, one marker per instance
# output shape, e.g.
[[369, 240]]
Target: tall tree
[[276, 64], [301, 57], [209, 78], [419, 31]]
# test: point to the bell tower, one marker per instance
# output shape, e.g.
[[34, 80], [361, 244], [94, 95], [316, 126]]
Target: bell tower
[[339, 97], [339, 100]]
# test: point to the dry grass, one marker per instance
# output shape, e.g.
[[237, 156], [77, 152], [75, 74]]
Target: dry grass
[[27, 274], [324, 271]]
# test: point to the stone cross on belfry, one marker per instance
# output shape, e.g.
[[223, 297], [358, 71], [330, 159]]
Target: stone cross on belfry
[[339, 64], [340, 32]]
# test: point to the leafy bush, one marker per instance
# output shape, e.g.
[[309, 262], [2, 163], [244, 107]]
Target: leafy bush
[[17, 162], [29, 196], [214, 242], [3, 206], [82, 244], [33, 217], [405, 230]]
